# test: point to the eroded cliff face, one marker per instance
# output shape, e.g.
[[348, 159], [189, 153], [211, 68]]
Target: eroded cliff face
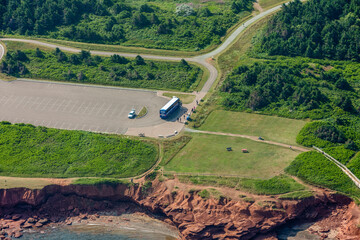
[[195, 218]]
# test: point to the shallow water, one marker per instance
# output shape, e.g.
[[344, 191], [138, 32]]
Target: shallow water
[[134, 228], [94, 232]]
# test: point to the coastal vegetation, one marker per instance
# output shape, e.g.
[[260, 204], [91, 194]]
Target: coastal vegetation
[[273, 186], [115, 70], [188, 25], [314, 168], [29, 151]]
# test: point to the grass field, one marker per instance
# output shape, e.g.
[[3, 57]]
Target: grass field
[[14, 182], [272, 128], [184, 98], [207, 154], [28, 151], [265, 4]]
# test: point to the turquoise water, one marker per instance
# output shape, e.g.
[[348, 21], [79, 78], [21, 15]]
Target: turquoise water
[[93, 232]]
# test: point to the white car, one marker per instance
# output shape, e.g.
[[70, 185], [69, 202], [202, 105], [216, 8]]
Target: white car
[[132, 114]]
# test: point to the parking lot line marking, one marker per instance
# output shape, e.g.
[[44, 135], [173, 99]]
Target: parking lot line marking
[[77, 111], [64, 109], [7, 99], [97, 113], [60, 105], [107, 109]]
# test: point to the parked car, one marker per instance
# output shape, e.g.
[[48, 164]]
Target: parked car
[[132, 114]]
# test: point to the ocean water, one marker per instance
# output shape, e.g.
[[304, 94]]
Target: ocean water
[[97, 232]]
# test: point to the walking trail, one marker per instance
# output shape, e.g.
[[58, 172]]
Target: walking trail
[[253, 138]]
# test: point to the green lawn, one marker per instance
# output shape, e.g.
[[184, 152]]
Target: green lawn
[[28, 151], [207, 154], [272, 128], [14, 182], [270, 3], [185, 98]]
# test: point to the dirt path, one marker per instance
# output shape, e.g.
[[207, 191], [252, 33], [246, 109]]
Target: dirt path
[[254, 138], [258, 7]]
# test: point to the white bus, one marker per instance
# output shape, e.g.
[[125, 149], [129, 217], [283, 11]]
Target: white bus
[[170, 107]]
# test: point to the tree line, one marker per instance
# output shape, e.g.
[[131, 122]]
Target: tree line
[[315, 29], [117, 22]]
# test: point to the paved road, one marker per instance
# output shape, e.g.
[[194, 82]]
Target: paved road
[[68, 106], [83, 99]]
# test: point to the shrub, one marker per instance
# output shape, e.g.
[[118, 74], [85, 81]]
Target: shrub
[[314, 168], [184, 10], [204, 194]]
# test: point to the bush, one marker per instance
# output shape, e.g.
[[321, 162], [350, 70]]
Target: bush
[[204, 194], [314, 168], [114, 70], [307, 135], [184, 10]]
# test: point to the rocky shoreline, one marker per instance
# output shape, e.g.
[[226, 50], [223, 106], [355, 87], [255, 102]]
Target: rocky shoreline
[[194, 217]]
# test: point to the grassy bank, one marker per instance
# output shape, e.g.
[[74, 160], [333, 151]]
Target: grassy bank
[[31, 151]]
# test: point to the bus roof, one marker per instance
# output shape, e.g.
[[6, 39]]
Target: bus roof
[[170, 103]]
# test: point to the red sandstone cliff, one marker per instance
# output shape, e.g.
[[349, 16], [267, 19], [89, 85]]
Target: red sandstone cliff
[[195, 217]]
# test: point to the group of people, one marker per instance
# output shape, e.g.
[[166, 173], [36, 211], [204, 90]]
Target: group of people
[[187, 114]]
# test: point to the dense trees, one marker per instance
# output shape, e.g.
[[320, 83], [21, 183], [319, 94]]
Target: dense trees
[[126, 22], [292, 88], [316, 29], [115, 70]]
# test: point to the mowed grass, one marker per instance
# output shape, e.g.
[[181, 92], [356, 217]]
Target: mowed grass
[[28, 151], [265, 4], [184, 98], [207, 154], [272, 128], [31, 183]]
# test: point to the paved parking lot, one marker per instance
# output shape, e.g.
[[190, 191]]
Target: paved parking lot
[[69, 106]]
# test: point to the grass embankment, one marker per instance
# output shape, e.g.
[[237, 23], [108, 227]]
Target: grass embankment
[[277, 185], [114, 71], [173, 146], [99, 181], [207, 154], [29, 151], [184, 98], [142, 112], [314, 168], [272, 128]]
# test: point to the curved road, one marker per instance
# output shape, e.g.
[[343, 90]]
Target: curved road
[[158, 130]]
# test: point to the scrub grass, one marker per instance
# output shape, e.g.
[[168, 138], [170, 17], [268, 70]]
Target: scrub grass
[[280, 184]]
